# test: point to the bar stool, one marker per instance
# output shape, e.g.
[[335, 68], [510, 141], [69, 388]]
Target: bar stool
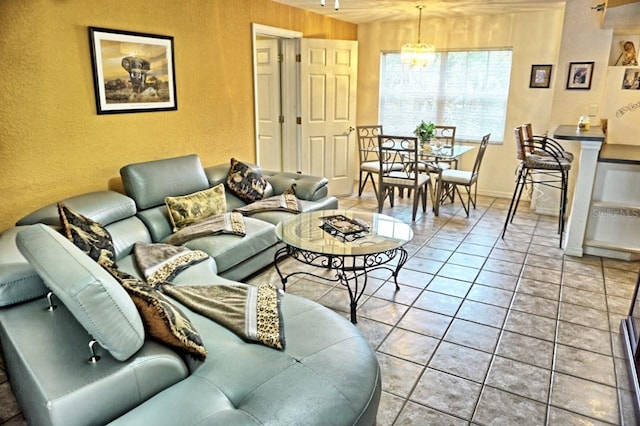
[[543, 164]]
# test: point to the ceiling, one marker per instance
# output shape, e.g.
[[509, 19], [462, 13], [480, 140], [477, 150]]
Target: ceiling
[[367, 11]]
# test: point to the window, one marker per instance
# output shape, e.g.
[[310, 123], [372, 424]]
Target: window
[[466, 89]]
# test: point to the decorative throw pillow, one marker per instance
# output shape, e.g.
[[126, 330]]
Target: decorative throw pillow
[[90, 236], [245, 181], [162, 319], [192, 208]]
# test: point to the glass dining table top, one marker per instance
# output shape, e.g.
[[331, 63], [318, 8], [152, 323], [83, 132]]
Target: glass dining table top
[[445, 153], [432, 153]]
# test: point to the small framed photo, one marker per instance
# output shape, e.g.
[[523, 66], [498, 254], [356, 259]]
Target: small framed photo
[[540, 76], [580, 74], [132, 72], [631, 79]]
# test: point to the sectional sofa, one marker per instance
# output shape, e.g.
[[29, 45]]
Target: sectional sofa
[[77, 350]]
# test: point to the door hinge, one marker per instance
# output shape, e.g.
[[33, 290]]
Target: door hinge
[[281, 119], [298, 57], [280, 57], [298, 120]]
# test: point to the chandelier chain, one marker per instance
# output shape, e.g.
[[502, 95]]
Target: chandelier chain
[[419, 22]]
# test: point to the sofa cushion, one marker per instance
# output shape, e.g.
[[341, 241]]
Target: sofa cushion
[[105, 207], [91, 294], [19, 282], [230, 250], [163, 321], [246, 181], [88, 235], [178, 176], [188, 209]]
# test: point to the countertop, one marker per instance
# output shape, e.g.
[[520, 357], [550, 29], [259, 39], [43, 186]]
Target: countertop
[[571, 133], [618, 153]]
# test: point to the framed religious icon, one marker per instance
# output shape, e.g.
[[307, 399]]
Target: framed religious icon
[[580, 74], [132, 72], [540, 76]]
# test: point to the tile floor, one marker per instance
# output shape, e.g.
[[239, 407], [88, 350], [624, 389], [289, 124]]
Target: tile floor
[[484, 331]]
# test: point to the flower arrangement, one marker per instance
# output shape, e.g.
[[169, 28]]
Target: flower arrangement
[[425, 131]]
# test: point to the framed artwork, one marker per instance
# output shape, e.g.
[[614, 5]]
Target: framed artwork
[[540, 76], [580, 74], [132, 72], [631, 79]]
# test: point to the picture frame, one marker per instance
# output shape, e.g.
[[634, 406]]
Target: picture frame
[[540, 76], [631, 79], [579, 76], [132, 71]]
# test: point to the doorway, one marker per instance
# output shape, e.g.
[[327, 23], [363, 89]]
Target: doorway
[[305, 105], [275, 98]]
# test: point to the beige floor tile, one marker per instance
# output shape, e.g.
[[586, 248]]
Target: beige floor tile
[[455, 395], [585, 397], [473, 335], [497, 407], [519, 378]]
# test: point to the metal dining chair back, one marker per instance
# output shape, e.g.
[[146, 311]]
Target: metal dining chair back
[[446, 137], [368, 155], [399, 161], [467, 179]]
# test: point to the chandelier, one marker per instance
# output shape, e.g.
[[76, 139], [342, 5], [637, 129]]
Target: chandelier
[[336, 5], [418, 54]]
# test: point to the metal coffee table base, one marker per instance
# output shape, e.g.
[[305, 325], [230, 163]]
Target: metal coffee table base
[[351, 270]]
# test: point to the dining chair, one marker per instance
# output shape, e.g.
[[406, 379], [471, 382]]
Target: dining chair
[[399, 160], [543, 164], [468, 179], [446, 136], [368, 156]]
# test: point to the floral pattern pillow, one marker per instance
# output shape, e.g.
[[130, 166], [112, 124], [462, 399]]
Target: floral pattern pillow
[[246, 182]]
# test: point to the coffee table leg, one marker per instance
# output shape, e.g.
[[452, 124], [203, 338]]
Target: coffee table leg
[[355, 292], [281, 252], [401, 261]]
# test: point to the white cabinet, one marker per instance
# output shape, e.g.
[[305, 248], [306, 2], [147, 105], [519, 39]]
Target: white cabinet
[[613, 225]]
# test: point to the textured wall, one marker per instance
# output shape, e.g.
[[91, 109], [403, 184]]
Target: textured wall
[[52, 142]]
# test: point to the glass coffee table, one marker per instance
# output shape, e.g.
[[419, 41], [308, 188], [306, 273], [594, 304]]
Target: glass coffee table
[[353, 243]]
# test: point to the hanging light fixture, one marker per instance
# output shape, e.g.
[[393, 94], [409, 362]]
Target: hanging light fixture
[[336, 5], [418, 54]]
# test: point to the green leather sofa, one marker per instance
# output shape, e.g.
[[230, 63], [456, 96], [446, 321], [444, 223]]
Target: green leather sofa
[[326, 374]]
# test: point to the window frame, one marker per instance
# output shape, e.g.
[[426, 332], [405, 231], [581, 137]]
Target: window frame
[[497, 136]]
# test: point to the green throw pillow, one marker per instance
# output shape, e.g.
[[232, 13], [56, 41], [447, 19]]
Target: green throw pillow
[[90, 236], [192, 208], [245, 181]]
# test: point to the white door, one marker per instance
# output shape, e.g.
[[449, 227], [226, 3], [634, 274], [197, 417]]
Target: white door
[[269, 103], [328, 70]]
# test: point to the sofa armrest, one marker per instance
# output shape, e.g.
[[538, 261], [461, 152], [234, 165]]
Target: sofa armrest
[[310, 188]]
